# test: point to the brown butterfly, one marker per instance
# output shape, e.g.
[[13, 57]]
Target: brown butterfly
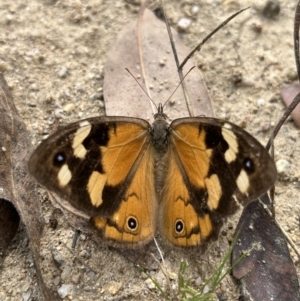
[[131, 177]]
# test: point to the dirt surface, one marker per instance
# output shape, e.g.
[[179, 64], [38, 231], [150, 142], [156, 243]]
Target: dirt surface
[[54, 53]]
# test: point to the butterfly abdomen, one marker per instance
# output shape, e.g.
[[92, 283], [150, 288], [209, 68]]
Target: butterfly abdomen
[[160, 141], [160, 171], [160, 134]]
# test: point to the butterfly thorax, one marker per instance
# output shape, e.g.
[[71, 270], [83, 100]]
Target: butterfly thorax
[[160, 131], [160, 134], [160, 140]]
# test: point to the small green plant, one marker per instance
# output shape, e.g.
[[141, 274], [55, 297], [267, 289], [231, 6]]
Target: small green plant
[[186, 293]]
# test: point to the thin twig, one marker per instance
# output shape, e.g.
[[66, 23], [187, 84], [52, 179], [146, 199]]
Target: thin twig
[[198, 47], [296, 100], [180, 72], [163, 266], [296, 38], [284, 117]]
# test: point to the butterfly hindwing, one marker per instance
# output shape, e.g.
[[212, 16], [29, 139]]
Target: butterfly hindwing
[[134, 223], [210, 161]]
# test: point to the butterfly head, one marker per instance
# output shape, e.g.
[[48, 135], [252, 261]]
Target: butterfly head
[[160, 115]]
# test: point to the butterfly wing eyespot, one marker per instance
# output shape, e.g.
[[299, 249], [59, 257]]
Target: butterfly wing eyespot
[[59, 159], [179, 227], [99, 165], [249, 165], [132, 224], [210, 162]]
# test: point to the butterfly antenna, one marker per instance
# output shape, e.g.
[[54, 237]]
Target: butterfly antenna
[[142, 87], [178, 86]]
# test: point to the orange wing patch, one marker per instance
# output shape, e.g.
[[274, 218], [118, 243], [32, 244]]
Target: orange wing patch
[[179, 222], [126, 143], [195, 157], [134, 223], [191, 149]]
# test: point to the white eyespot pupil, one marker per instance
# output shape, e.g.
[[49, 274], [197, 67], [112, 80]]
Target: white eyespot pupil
[[132, 223], [249, 165], [179, 226], [59, 159]]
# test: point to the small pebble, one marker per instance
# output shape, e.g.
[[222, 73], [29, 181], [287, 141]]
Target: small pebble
[[162, 62], [113, 287], [206, 289], [222, 297], [9, 18], [91, 274], [237, 77], [265, 127], [57, 113], [195, 10], [59, 260], [101, 104], [84, 254], [171, 102], [272, 9], [3, 66], [68, 108], [224, 232], [261, 102], [66, 274], [53, 223], [34, 87], [149, 283], [26, 296], [56, 281], [283, 167], [83, 237], [198, 281], [97, 96], [257, 26], [160, 279], [67, 93], [63, 72], [184, 23], [65, 290], [172, 275], [76, 279]]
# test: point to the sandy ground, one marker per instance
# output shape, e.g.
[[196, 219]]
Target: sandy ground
[[40, 38]]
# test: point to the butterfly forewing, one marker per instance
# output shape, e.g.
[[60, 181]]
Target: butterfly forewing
[[92, 162]]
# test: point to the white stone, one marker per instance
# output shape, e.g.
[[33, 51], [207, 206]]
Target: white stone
[[184, 23], [261, 102], [283, 167], [65, 290]]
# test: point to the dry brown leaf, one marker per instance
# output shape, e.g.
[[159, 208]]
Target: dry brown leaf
[[17, 187], [268, 273], [123, 96]]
